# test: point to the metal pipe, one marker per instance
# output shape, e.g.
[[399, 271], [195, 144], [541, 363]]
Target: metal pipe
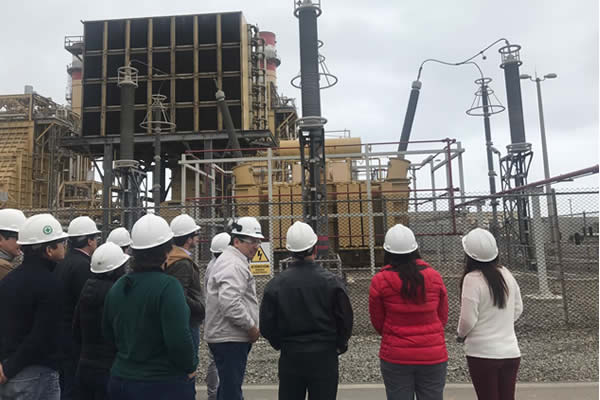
[[461, 175], [560, 259], [271, 212], [544, 152], [106, 188], [490, 156], [233, 140], [557, 178], [157, 163], [450, 184], [538, 238], [183, 179], [433, 186], [370, 216]]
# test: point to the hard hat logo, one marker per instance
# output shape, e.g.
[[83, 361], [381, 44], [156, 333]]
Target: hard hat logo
[[47, 230]]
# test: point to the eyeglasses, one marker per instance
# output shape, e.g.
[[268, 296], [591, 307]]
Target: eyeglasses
[[251, 241]]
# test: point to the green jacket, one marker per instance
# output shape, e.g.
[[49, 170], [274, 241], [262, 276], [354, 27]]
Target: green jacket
[[148, 320]]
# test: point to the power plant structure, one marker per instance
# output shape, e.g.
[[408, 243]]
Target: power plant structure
[[159, 94], [183, 114]]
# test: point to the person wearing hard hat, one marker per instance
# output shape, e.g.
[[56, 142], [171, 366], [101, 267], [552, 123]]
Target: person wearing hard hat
[[490, 304], [306, 313], [121, 237], [147, 319], [97, 355], [181, 266], [231, 324], [408, 306], [218, 244], [11, 221], [30, 314], [74, 271]]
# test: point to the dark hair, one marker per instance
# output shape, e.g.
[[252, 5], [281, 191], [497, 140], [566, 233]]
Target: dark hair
[[152, 258], [113, 275], [413, 282], [8, 234], [79, 242], [238, 237], [300, 255], [180, 240], [493, 276], [39, 250]]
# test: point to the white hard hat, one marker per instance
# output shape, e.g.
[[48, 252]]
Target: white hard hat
[[247, 226], [108, 257], [11, 219], [40, 228], [150, 231], [400, 240], [119, 236], [480, 245], [300, 237], [219, 242], [82, 226], [183, 225]]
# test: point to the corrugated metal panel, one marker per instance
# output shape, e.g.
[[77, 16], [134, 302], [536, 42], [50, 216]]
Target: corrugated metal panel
[[16, 139]]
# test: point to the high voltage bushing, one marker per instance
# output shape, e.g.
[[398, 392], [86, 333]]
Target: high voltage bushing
[[511, 62], [410, 115]]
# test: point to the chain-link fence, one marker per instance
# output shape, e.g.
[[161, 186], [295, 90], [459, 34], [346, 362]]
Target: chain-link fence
[[554, 259]]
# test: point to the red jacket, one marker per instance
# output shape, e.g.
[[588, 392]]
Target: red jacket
[[411, 333]]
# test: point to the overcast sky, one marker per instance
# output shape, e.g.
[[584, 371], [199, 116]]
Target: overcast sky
[[375, 49]]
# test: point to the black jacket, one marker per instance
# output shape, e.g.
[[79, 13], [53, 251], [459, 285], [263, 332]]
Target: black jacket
[[87, 324], [306, 308], [73, 272], [30, 313]]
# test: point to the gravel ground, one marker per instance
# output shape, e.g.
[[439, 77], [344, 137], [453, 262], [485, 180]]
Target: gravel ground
[[556, 355]]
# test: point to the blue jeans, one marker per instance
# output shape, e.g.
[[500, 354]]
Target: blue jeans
[[231, 358], [403, 382], [180, 388], [32, 383]]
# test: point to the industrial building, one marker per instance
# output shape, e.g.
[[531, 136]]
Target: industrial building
[[186, 59], [183, 114]]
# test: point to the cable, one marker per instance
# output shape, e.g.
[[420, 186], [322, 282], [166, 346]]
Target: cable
[[467, 61], [154, 69]]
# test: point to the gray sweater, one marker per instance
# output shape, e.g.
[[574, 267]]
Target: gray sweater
[[231, 302]]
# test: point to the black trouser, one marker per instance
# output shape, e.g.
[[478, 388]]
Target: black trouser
[[494, 379], [315, 372], [92, 382], [69, 387]]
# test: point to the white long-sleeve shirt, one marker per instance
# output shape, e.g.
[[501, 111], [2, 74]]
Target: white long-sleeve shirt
[[489, 331]]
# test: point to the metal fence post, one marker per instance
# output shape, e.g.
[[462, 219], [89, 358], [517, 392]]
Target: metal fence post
[[559, 255], [538, 240], [370, 211], [270, 194], [183, 182]]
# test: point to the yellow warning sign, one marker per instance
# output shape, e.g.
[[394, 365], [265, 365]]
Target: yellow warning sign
[[260, 269], [260, 265], [260, 256]]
